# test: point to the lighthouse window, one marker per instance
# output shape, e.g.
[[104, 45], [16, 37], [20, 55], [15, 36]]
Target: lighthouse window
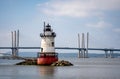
[[48, 29], [52, 43]]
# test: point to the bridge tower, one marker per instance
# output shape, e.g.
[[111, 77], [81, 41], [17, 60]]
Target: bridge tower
[[15, 43], [47, 54]]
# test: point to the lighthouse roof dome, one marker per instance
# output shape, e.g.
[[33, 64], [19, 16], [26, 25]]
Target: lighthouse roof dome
[[48, 25]]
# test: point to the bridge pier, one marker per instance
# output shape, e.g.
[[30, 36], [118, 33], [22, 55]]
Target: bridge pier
[[15, 43], [87, 44], [106, 53], [111, 54], [79, 51], [86, 53], [14, 52], [83, 52], [79, 54]]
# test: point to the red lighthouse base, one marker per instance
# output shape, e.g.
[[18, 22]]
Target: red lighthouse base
[[47, 58]]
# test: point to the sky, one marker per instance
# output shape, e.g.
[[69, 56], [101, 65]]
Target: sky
[[101, 18]]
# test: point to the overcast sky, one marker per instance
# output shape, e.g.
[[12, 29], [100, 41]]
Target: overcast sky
[[101, 18]]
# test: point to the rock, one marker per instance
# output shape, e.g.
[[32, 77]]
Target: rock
[[28, 62], [62, 63], [34, 62]]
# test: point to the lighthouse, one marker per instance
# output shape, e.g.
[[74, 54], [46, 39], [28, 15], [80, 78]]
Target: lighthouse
[[47, 54]]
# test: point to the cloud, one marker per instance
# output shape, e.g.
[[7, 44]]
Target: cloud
[[100, 24], [116, 30], [78, 8]]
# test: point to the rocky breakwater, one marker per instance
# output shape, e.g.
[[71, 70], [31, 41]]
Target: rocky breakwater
[[62, 63], [28, 62], [34, 62]]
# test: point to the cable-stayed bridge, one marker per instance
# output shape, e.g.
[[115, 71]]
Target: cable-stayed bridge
[[81, 50], [71, 48]]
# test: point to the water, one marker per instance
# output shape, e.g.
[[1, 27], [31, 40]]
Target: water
[[90, 68], [67, 55]]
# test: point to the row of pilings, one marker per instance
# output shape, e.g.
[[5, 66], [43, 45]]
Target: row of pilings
[[15, 43], [81, 44]]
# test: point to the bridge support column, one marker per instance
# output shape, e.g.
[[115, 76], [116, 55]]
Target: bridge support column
[[79, 54], [106, 54], [83, 46], [87, 44], [83, 53], [83, 50], [14, 52], [111, 54], [79, 51], [15, 43], [86, 53]]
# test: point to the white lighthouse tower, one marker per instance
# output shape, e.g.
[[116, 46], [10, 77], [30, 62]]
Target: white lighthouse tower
[[47, 54], [47, 40]]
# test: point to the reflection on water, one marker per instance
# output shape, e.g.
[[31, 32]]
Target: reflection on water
[[82, 69], [46, 70]]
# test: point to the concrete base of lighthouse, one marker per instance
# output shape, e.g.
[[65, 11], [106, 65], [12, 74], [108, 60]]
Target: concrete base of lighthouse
[[47, 58]]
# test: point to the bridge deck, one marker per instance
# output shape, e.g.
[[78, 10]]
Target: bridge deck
[[69, 48]]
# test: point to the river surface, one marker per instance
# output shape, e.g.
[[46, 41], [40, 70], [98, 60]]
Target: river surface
[[89, 68]]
